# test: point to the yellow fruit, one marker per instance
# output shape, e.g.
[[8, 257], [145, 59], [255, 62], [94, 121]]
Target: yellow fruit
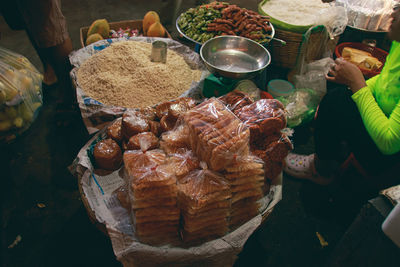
[[25, 112], [93, 38], [5, 125], [10, 75], [26, 82], [156, 30], [150, 18], [101, 27], [18, 122]]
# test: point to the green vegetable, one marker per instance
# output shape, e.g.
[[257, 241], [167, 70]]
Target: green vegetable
[[193, 23]]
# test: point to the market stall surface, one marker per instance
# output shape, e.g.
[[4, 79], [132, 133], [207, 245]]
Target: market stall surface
[[42, 213]]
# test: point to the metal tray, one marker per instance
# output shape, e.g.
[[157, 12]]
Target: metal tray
[[198, 43]]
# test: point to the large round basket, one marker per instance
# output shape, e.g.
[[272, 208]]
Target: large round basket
[[101, 226], [287, 56], [295, 36]]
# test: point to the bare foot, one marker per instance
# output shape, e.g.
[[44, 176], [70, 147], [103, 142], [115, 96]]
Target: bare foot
[[49, 77]]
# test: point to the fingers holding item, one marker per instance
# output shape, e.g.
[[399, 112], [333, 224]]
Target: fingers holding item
[[331, 76], [339, 61], [333, 70]]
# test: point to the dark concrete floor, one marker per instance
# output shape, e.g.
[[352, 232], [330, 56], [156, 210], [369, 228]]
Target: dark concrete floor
[[34, 170]]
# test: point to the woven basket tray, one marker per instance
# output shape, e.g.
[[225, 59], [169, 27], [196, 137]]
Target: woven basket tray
[[133, 24], [288, 55]]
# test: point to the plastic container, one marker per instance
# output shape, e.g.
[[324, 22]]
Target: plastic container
[[278, 87], [375, 52]]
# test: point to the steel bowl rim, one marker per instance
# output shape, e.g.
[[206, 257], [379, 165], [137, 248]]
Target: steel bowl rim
[[190, 39], [237, 72]]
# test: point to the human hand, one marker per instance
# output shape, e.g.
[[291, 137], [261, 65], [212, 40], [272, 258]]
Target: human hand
[[346, 73]]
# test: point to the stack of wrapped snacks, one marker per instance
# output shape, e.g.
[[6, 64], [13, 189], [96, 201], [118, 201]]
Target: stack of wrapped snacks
[[153, 195], [246, 178], [216, 135], [204, 199]]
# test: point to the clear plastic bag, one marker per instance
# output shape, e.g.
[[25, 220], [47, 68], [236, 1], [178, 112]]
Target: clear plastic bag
[[152, 190], [263, 117], [183, 161], [216, 135], [20, 94], [314, 76], [318, 43], [300, 106], [204, 199], [236, 99], [372, 15]]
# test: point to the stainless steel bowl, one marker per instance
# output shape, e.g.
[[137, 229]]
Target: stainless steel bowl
[[234, 57]]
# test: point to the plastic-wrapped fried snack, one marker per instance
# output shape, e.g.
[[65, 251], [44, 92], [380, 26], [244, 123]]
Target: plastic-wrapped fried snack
[[143, 141], [175, 139], [134, 122], [153, 196], [264, 116], [216, 135], [235, 100], [114, 131], [246, 177], [137, 162], [202, 187], [155, 128], [184, 161], [278, 150], [200, 193], [180, 104], [107, 154]]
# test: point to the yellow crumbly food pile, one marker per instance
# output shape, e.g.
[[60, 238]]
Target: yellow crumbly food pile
[[123, 75]]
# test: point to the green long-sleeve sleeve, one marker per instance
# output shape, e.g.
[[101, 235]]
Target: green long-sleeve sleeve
[[379, 104], [383, 130]]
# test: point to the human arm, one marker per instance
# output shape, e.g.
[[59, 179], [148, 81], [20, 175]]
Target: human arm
[[384, 131]]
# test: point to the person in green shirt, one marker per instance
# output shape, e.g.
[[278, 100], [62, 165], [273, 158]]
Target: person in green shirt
[[363, 120]]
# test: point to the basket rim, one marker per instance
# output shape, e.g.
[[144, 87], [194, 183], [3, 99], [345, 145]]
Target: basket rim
[[281, 24]]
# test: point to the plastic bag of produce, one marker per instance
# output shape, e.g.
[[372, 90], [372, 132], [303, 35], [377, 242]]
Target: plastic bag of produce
[[300, 106], [314, 77], [20, 94]]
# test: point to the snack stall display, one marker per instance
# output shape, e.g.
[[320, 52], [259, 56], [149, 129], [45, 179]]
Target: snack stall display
[[164, 167], [181, 128], [172, 176]]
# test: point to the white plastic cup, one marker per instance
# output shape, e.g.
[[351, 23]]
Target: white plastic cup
[[391, 225], [278, 87]]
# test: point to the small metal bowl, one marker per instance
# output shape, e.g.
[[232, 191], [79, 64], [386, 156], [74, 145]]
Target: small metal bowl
[[234, 57]]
